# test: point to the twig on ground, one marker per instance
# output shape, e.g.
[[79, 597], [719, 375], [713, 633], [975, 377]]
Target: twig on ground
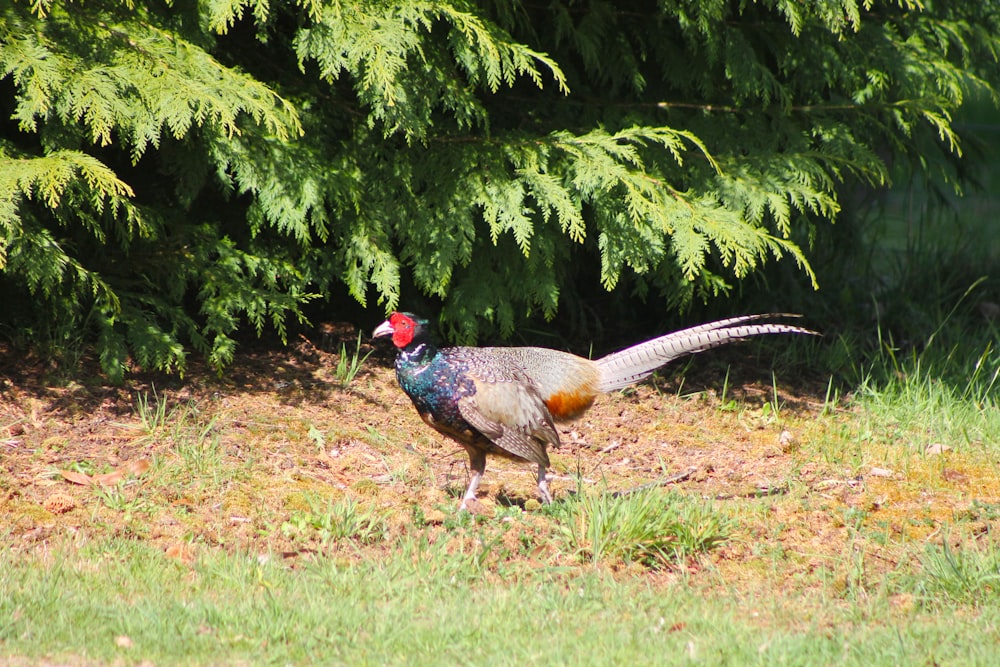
[[761, 492], [615, 444], [663, 481]]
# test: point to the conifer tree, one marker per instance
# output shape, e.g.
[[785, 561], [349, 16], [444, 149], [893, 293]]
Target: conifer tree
[[172, 172]]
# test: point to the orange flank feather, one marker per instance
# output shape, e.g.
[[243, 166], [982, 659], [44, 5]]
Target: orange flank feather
[[569, 404]]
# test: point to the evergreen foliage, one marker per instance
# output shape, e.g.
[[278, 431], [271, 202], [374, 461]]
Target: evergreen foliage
[[170, 172]]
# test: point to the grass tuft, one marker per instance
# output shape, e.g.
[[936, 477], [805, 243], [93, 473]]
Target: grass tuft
[[650, 527], [349, 365], [345, 519], [152, 412], [968, 574]]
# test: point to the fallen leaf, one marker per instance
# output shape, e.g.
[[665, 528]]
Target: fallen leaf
[[37, 534], [881, 472], [123, 641], [75, 477], [134, 468], [109, 478], [827, 484], [937, 448]]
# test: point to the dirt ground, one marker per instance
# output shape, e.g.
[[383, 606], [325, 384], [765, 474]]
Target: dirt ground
[[228, 460]]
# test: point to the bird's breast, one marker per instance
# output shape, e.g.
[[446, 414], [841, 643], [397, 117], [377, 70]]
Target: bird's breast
[[435, 390]]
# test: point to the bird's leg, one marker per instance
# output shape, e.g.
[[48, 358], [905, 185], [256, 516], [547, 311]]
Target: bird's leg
[[477, 462], [543, 485]]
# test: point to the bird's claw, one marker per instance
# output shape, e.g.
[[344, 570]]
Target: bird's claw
[[543, 487], [471, 505]]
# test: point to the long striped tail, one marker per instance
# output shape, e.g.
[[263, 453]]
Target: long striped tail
[[620, 369]]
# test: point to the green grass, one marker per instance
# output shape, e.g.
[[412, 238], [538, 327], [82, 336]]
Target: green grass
[[649, 527], [653, 577], [944, 391], [349, 363], [331, 521], [423, 606], [152, 411], [967, 574]]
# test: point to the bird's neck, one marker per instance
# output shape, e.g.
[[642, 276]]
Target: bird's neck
[[417, 353]]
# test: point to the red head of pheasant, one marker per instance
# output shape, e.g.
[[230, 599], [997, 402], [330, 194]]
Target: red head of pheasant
[[403, 327]]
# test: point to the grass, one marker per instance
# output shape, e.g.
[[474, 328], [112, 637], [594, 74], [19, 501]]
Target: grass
[[966, 574], [854, 575], [152, 412], [349, 364], [346, 519], [942, 392], [647, 527], [120, 601]]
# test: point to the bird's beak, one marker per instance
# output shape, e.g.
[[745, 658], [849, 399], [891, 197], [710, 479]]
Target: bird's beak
[[384, 329]]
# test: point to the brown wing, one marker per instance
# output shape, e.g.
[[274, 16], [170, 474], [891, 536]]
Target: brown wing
[[567, 383], [513, 416]]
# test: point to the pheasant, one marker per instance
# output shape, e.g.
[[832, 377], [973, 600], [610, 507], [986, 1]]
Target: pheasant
[[506, 400]]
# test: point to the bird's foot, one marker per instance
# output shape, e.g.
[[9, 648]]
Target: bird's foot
[[543, 487], [469, 502], [472, 506]]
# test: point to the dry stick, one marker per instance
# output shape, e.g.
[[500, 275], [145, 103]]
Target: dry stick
[[663, 481], [764, 492], [613, 446]]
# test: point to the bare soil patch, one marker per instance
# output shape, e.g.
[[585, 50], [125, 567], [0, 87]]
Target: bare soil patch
[[231, 459]]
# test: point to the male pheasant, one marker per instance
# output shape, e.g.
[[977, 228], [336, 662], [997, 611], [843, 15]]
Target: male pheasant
[[506, 400]]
